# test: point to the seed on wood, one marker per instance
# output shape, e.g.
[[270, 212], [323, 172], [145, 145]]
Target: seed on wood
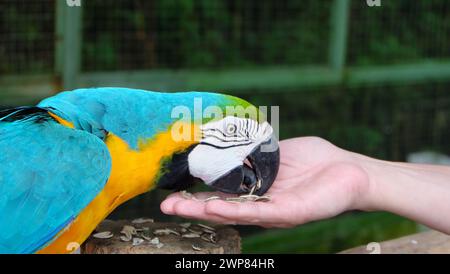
[[208, 231], [185, 225], [165, 231], [137, 241], [213, 238], [142, 221], [125, 238], [191, 235], [171, 231], [159, 245], [205, 238], [183, 230], [206, 227], [155, 241], [103, 235], [195, 231], [147, 238], [196, 248], [129, 230]]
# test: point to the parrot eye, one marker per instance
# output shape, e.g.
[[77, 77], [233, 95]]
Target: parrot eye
[[231, 129]]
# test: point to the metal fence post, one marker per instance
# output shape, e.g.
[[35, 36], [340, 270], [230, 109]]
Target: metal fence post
[[338, 36], [68, 43]]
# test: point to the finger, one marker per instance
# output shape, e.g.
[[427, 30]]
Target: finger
[[196, 210], [249, 213], [167, 205]]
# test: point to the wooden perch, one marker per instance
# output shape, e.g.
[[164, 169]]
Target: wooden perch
[[430, 242], [151, 238]]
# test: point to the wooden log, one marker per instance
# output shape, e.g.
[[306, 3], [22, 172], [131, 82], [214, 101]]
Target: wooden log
[[227, 239], [430, 242]]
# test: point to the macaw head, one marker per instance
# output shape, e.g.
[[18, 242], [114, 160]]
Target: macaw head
[[235, 153]]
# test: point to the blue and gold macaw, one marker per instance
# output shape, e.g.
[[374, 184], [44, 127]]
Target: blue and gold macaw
[[71, 160]]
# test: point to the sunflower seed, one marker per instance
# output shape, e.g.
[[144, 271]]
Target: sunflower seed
[[207, 231], [236, 202], [206, 227], [165, 231], [263, 199], [103, 235], [253, 190], [212, 198], [159, 245], [145, 233], [137, 241], [186, 194], [234, 199], [206, 238], [147, 238], [155, 241], [199, 232], [213, 238], [185, 225], [142, 221], [255, 187], [191, 235], [183, 230], [125, 238], [129, 230], [173, 232], [196, 248], [249, 197]]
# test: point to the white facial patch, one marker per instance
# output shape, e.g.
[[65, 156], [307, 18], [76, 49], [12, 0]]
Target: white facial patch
[[225, 145]]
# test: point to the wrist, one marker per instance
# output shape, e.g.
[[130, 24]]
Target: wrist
[[415, 191], [370, 196]]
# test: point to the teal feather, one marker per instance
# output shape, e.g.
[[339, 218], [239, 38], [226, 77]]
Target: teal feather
[[46, 178]]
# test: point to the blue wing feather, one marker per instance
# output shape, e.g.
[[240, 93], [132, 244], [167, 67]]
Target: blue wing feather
[[48, 174]]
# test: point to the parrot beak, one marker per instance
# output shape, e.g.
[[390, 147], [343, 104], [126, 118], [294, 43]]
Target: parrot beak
[[264, 162]]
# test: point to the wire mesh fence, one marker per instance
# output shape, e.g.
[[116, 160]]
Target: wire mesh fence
[[158, 34], [398, 32], [143, 34], [26, 36]]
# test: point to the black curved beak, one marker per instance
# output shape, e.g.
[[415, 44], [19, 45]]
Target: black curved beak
[[258, 176]]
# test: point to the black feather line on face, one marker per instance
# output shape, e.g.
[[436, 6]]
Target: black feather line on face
[[175, 172], [225, 147]]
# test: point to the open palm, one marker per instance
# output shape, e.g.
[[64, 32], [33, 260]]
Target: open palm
[[316, 180]]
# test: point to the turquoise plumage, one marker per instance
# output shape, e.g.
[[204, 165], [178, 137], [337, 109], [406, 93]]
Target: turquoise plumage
[[36, 201]]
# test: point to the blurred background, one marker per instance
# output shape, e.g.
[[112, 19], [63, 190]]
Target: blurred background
[[374, 80]]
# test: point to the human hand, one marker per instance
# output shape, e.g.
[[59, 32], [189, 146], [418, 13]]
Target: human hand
[[316, 180]]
